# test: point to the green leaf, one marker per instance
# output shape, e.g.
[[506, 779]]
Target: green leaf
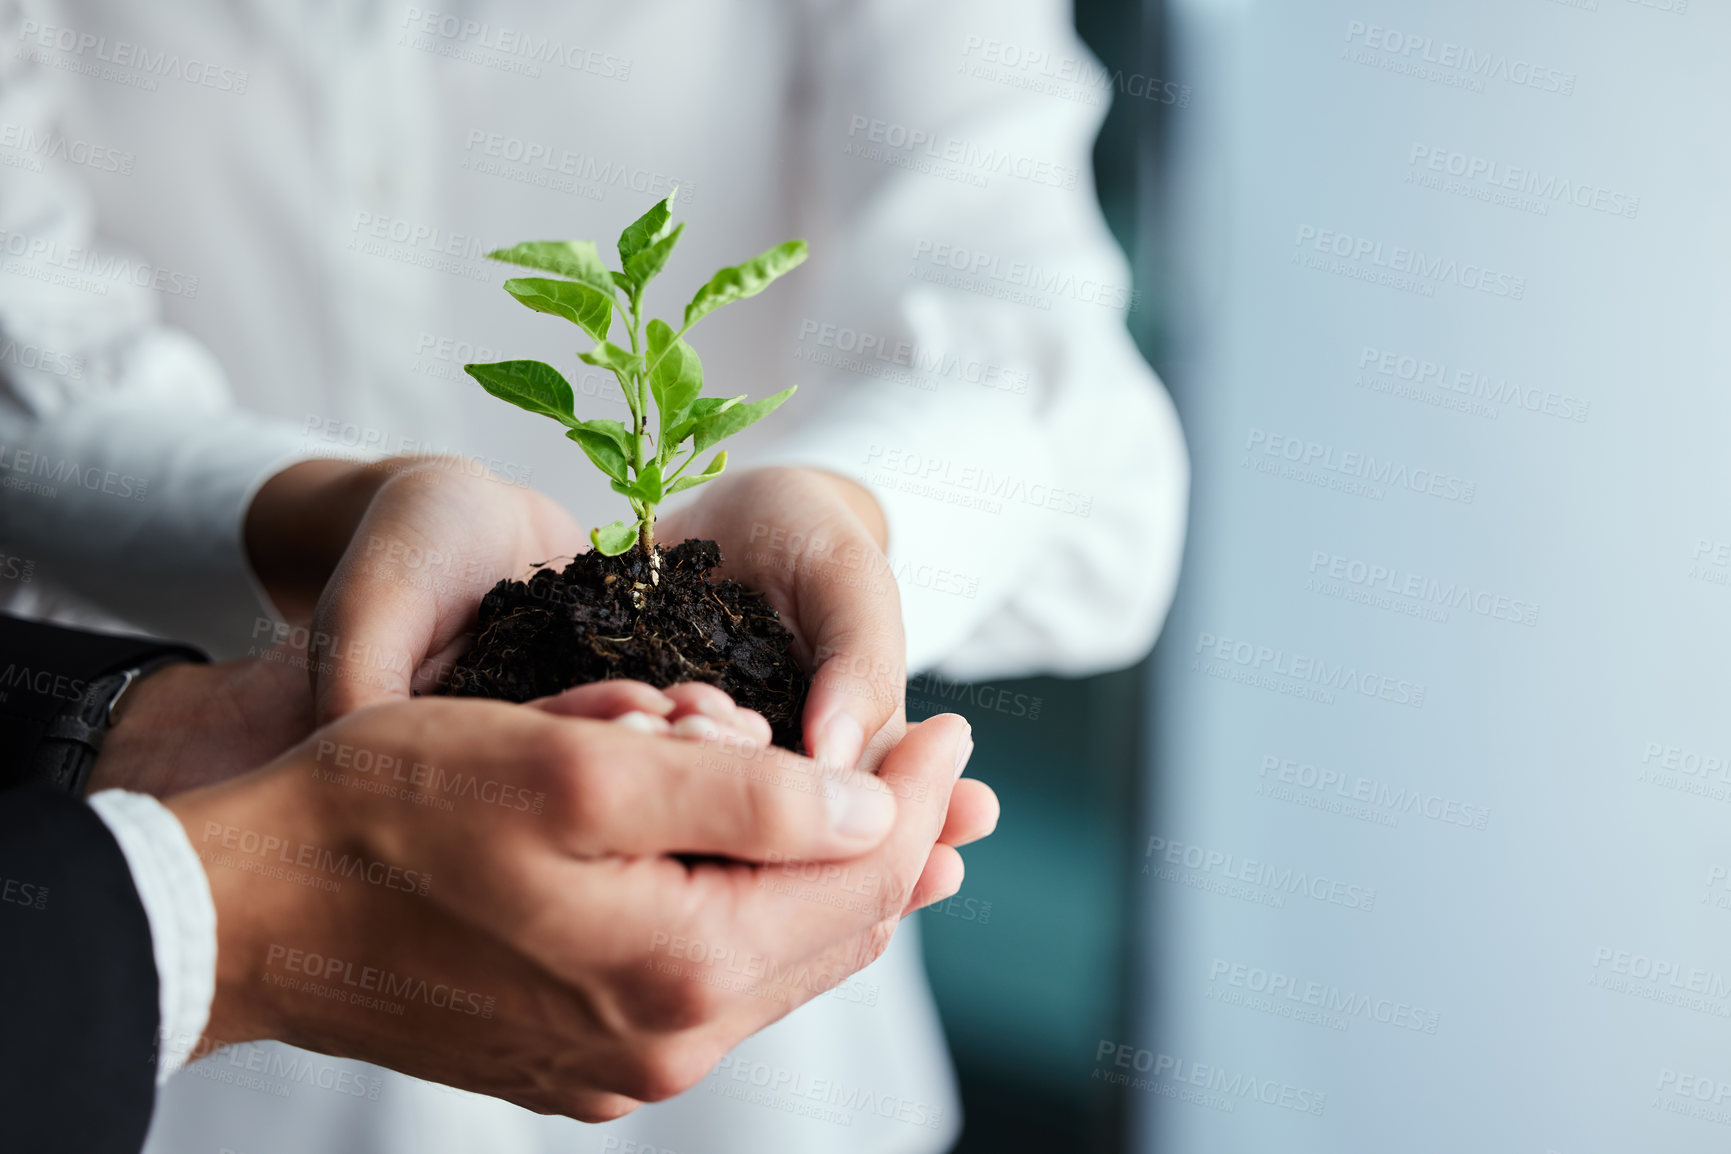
[[529, 385], [623, 280], [646, 488], [646, 264], [583, 305], [721, 425], [710, 473], [745, 280], [608, 355], [675, 375], [612, 540], [700, 408], [576, 259], [646, 230], [604, 447], [614, 431]]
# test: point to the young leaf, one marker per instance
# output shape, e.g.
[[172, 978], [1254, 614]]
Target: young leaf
[[612, 540], [583, 305], [646, 488], [604, 448], [710, 473], [646, 264], [529, 385], [608, 355], [700, 408], [721, 425], [675, 378], [745, 280], [646, 229], [576, 259]]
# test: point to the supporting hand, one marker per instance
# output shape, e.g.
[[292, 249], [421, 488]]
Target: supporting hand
[[536, 967]]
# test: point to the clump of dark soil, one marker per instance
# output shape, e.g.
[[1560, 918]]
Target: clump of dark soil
[[603, 617]]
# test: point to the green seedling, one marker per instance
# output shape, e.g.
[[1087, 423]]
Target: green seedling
[[641, 463]]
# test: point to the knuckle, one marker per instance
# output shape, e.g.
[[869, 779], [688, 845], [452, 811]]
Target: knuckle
[[593, 1110], [587, 794], [660, 1068], [779, 809], [683, 1003]]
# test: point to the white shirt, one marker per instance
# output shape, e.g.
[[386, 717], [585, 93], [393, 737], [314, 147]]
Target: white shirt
[[235, 234]]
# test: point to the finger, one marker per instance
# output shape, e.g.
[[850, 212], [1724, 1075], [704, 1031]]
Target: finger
[[854, 629], [730, 797], [804, 912], [939, 881], [696, 698], [606, 700], [973, 813], [700, 697]]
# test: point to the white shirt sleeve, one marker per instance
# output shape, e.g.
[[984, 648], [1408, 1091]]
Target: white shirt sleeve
[[125, 468], [177, 902], [1029, 462]]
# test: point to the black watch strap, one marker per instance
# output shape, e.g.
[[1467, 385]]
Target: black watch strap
[[58, 687]]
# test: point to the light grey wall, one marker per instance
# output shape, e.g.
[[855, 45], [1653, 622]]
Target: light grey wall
[[1543, 657]]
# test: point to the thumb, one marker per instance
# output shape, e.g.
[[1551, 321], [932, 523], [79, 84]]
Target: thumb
[[860, 683], [375, 626]]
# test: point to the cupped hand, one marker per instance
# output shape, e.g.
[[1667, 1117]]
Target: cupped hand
[[813, 542], [433, 540], [537, 964]]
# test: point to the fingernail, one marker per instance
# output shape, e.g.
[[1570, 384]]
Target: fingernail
[[720, 708], [695, 725], [964, 750], [641, 722], [840, 742], [856, 812]]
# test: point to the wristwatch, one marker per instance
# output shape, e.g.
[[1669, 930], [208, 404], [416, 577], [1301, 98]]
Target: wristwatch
[[58, 690]]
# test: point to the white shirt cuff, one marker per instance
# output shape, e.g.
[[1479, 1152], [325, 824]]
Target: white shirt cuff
[[177, 902]]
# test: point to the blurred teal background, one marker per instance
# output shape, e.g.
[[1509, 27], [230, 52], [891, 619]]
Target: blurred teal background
[[1031, 962]]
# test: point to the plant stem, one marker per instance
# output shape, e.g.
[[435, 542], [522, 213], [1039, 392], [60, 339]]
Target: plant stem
[[646, 534]]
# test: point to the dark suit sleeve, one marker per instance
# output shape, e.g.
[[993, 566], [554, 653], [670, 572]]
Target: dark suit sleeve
[[79, 1021]]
